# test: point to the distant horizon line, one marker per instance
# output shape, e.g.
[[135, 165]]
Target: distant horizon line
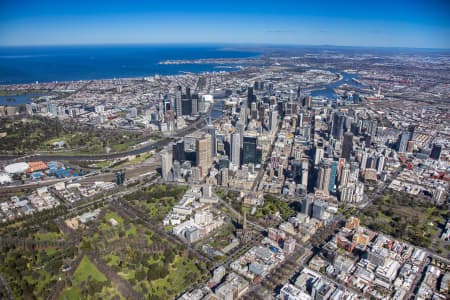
[[269, 45]]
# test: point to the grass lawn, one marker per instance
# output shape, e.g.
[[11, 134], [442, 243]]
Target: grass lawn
[[109, 293], [87, 270], [122, 147], [132, 231], [115, 216], [103, 164], [136, 161], [127, 275], [48, 236], [72, 293], [111, 259]]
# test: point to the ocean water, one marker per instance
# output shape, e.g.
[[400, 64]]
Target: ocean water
[[66, 63]]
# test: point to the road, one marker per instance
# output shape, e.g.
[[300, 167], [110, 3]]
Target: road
[[238, 214], [370, 199], [4, 288]]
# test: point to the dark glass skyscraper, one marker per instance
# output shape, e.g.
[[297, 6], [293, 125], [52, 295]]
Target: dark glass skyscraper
[[250, 153], [250, 97], [186, 106], [178, 151], [347, 146], [436, 152], [338, 126]]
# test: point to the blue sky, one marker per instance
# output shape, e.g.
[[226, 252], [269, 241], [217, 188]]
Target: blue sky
[[413, 23]]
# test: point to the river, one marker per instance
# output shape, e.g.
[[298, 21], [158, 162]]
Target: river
[[328, 91]]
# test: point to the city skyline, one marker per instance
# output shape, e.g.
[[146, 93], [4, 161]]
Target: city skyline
[[412, 24]]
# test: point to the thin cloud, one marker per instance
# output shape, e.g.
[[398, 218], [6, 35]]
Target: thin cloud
[[279, 31]]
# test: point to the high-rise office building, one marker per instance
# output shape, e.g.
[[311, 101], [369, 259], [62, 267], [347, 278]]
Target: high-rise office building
[[203, 153], [236, 149], [333, 175], [380, 163], [166, 163], [186, 106], [178, 151], [363, 160], [318, 155], [250, 153], [305, 173], [243, 114], [240, 126], [176, 168], [402, 142], [345, 175], [307, 204], [347, 146], [250, 97], [319, 209], [337, 130], [324, 176], [308, 102], [212, 131], [224, 177], [194, 103], [178, 101], [273, 120], [436, 152]]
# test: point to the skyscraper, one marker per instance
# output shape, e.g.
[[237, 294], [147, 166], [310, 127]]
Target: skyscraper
[[236, 149], [212, 131], [318, 155], [345, 175], [402, 142], [240, 126], [347, 146], [307, 204], [250, 153], [203, 153], [337, 130], [436, 152], [166, 163], [224, 177], [319, 209], [380, 163], [250, 97], [178, 151], [178, 101], [176, 168], [305, 172], [324, 176], [194, 103], [334, 168], [273, 120], [186, 106]]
